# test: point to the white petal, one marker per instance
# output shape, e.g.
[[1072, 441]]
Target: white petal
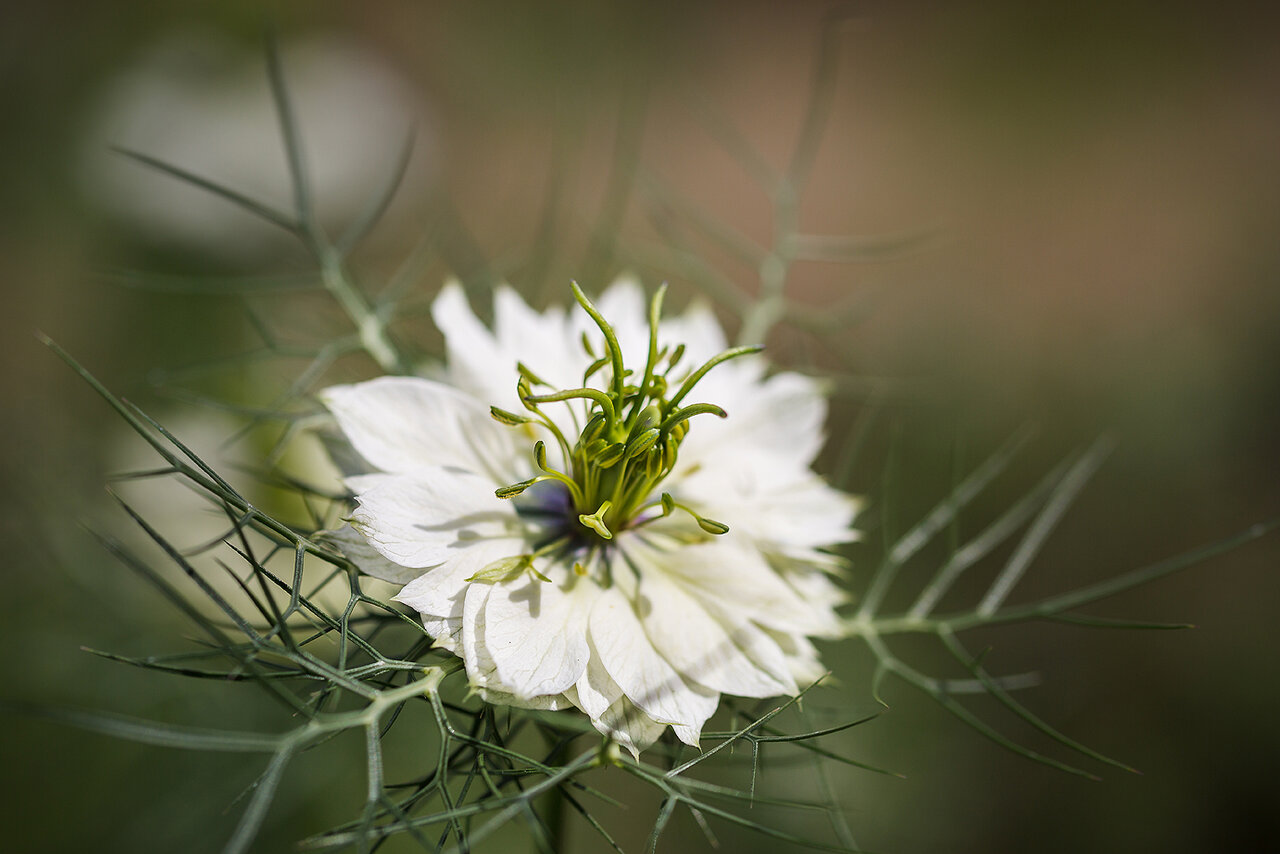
[[622, 722], [624, 305], [446, 631], [801, 656], [689, 735], [699, 331], [646, 677], [355, 547], [482, 670], [730, 575], [535, 633], [541, 341], [425, 519], [405, 424], [476, 363], [757, 644], [696, 643], [782, 416], [782, 508], [595, 690], [475, 655], [484, 362], [818, 588], [438, 591], [547, 703]]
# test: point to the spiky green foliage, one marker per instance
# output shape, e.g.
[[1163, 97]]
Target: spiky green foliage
[[295, 620]]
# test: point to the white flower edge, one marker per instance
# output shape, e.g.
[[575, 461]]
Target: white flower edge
[[679, 624]]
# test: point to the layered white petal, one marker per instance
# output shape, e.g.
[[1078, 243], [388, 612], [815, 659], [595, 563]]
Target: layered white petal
[[728, 573], [535, 634], [446, 631], [484, 363], [478, 364], [666, 618], [792, 517], [697, 645], [542, 341], [624, 723], [369, 560], [611, 713], [438, 592], [802, 657], [595, 690], [781, 417], [482, 670], [647, 679], [423, 519], [699, 331], [405, 424]]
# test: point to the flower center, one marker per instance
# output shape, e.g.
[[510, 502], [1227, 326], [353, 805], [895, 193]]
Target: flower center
[[631, 437]]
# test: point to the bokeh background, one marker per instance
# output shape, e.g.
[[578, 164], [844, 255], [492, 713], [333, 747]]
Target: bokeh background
[[1100, 189]]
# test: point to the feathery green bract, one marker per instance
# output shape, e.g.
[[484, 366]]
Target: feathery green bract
[[293, 617]]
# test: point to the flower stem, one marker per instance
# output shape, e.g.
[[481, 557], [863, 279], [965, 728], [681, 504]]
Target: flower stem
[[371, 328], [554, 816]]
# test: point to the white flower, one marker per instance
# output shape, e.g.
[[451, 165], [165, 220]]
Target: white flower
[[576, 553]]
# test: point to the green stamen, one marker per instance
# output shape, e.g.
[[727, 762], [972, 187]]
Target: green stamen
[[511, 419], [507, 569], [613, 469], [595, 521]]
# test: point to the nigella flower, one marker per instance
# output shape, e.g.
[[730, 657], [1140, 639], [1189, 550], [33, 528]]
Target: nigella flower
[[601, 510]]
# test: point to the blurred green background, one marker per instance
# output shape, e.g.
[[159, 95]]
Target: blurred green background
[[1103, 181]]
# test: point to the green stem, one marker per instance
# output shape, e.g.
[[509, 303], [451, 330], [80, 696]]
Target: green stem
[[554, 816], [370, 326]]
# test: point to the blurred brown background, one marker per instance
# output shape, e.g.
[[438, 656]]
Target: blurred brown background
[[1102, 187]]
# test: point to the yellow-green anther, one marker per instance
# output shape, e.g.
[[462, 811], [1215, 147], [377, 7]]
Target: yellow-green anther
[[516, 488], [653, 464], [506, 569], [642, 443], [711, 526], [530, 375], [540, 454], [610, 455], [508, 418], [676, 356], [595, 521], [523, 391], [649, 417], [593, 367], [669, 451], [592, 431], [687, 412]]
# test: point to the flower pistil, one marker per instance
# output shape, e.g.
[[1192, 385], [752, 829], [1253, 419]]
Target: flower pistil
[[631, 437]]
